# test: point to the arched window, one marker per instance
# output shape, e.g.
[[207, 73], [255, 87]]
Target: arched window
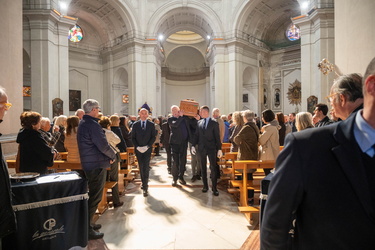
[[293, 32], [75, 34]]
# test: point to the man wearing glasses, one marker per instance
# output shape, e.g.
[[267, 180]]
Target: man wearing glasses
[[329, 203], [346, 96], [96, 155], [7, 217]]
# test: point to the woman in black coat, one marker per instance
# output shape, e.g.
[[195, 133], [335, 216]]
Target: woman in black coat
[[35, 154]]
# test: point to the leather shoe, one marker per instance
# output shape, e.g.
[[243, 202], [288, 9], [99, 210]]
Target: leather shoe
[[174, 183], [94, 235], [194, 178], [96, 226], [215, 192], [118, 204], [145, 193], [182, 181], [204, 190], [198, 177]]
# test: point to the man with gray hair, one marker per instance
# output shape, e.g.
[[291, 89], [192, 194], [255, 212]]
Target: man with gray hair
[[7, 216], [346, 95], [96, 155], [80, 113]]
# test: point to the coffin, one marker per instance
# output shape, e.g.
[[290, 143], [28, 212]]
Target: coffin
[[190, 108]]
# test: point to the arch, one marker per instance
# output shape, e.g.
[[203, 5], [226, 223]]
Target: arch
[[121, 78], [195, 7], [258, 18], [185, 45]]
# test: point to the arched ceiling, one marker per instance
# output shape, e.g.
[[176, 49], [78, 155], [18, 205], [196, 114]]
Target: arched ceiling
[[267, 20], [101, 16], [184, 19]]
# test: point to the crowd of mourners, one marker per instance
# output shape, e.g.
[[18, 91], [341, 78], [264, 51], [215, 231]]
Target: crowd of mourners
[[96, 140]]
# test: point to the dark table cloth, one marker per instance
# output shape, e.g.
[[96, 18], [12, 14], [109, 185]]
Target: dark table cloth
[[51, 213]]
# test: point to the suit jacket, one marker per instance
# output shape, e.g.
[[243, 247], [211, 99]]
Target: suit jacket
[[320, 178], [142, 137], [165, 134], [175, 124], [207, 138]]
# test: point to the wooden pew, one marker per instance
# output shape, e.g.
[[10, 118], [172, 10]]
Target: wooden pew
[[246, 185]]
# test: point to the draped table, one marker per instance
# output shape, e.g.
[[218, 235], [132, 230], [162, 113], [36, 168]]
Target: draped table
[[51, 213]]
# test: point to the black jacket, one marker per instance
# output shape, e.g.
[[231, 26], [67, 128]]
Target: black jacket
[[320, 178], [324, 122], [7, 217], [177, 125], [144, 137], [35, 154], [122, 145], [207, 138], [165, 134], [93, 146]]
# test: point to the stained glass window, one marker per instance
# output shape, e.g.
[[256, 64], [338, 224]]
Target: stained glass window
[[293, 32], [75, 34]]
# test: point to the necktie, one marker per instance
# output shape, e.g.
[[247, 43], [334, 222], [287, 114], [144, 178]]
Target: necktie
[[143, 125], [205, 123]]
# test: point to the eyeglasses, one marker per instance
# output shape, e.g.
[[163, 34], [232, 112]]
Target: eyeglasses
[[330, 97], [7, 105]]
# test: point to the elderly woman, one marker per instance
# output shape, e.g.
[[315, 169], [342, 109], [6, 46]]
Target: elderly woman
[[238, 122], [61, 123], [269, 139], [115, 128], [34, 152], [113, 140], [247, 141], [304, 120], [71, 144]]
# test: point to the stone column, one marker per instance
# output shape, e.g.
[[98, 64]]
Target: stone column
[[354, 35], [49, 59], [11, 62], [317, 42]]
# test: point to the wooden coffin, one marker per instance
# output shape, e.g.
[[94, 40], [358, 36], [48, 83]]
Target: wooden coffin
[[190, 108]]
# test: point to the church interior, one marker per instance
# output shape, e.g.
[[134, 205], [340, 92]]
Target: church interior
[[228, 54]]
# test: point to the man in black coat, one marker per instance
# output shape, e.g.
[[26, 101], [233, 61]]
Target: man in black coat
[[143, 137], [7, 217], [179, 141], [164, 140], [207, 137], [324, 180]]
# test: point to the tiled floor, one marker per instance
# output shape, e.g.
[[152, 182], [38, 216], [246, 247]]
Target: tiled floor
[[174, 217]]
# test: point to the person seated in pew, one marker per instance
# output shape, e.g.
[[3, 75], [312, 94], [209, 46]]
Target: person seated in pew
[[34, 153], [247, 140], [45, 126], [61, 124], [113, 140], [115, 128]]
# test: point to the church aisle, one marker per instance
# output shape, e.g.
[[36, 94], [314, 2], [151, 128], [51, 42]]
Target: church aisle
[[174, 217]]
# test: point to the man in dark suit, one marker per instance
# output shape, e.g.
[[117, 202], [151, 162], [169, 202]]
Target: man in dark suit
[[164, 140], [207, 137], [143, 137], [7, 216], [178, 141], [324, 179]]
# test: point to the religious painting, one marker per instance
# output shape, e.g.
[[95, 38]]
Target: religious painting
[[57, 107], [26, 91], [277, 98], [245, 98], [125, 98], [294, 93], [311, 103], [74, 100]]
